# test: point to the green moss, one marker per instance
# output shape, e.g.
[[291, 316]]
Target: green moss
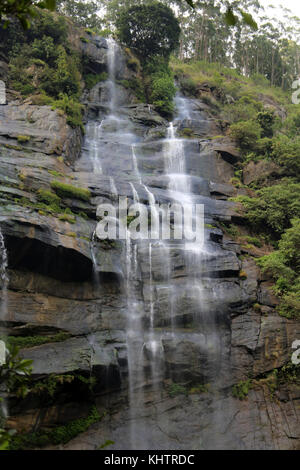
[[57, 174], [187, 132], [202, 388], [48, 197], [23, 138], [241, 389], [71, 234], [67, 218], [176, 389], [30, 341], [67, 190]]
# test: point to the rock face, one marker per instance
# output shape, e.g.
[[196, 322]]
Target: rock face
[[63, 280]]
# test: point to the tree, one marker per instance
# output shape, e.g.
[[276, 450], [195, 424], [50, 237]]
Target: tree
[[24, 10], [82, 13], [150, 30]]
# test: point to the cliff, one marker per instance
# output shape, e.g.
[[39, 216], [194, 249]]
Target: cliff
[[214, 385]]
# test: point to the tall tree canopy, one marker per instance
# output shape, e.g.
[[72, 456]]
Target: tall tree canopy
[[150, 30]]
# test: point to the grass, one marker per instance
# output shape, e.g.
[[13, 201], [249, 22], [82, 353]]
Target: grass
[[228, 79]]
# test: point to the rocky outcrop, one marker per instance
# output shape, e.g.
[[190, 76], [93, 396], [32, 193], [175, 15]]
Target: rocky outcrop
[[262, 170], [61, 282]]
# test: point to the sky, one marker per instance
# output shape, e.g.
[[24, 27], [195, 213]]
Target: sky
[[293, 5]]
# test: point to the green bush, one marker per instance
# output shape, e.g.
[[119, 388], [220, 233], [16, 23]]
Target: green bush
[[72, 108], [241, 389], [286, 152], [266, 120], [246, 133], [284, 266], [273, 207], [67, 190], [161, 88]]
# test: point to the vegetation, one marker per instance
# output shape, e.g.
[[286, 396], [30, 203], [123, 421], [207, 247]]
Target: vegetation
[[14, 378], [30, 341], [149, 30], [67, 190], [284, 266], [175, 389], [273, 207], [43, 65], [59, 435], [241, 389]]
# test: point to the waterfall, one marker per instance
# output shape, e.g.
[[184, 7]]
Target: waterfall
[[3, 277], [154, 301], [3, 314], [111, 65]]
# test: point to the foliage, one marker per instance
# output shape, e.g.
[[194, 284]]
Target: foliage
[[43, 65], [246, 133], [160, 85], [15, 372], [286, 152], [14, 378], [273, 207], [266, 120], [91, 79], [72, 108], [176, 389], [241, 389], [48, 197], [67, 190], [284, 266], [149, 30], [59, 435], [82, 13], [30, 341], [23, 10]]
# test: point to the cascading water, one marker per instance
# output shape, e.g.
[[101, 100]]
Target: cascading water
[[154, 298], [3, 276], [3, 313]]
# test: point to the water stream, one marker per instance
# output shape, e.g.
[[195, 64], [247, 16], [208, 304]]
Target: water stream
[[156, 311]]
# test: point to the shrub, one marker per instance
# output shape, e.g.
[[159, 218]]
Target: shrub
[[241, 389], [246, 133], [266, 120], [273, 207], [67, 190], [286, 152], [161, 88], [71, 108], [284, 266], [188, 86]]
